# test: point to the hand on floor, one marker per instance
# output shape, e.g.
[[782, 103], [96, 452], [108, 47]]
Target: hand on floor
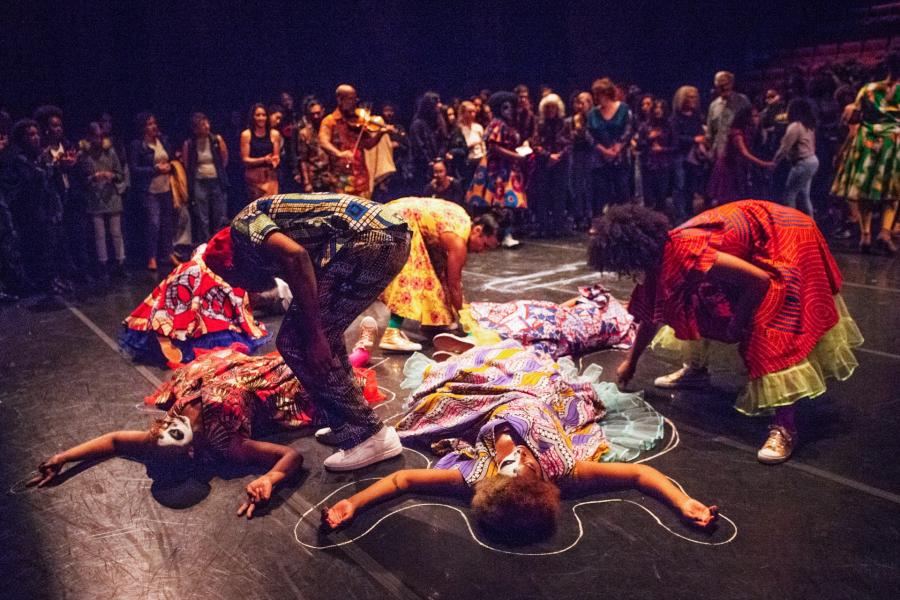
[[258, 492], [338, 515], [698, 514]]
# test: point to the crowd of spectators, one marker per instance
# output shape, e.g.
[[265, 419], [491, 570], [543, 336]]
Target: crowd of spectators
[[549, 165]]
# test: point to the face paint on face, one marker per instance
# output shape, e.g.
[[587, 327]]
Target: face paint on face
[[177, 432], [511, 465]]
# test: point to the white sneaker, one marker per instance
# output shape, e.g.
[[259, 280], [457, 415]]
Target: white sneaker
[[368, 331], [685, 378], [778, 447], [381, 446], [396, 341], [452, 343], [509, 241]]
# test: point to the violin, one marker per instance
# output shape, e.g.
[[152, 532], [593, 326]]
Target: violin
[[363, 120]]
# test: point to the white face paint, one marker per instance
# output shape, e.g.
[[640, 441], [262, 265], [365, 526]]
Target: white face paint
[[511, 465], [177, 432]]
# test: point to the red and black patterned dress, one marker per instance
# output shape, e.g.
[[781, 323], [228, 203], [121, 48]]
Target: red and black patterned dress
[[798, 309]]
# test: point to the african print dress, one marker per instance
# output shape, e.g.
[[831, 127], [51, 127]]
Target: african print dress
[[236, 393], [596, 321], [194, 308], [869, 170], [801, 332], [459, 405], [498, 181], [419, 291]]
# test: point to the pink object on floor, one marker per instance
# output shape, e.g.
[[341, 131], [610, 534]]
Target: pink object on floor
[[359, 357]]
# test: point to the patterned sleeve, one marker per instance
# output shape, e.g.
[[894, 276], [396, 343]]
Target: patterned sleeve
[[689, 250], [594, 293], [642, 303], [254, 222]]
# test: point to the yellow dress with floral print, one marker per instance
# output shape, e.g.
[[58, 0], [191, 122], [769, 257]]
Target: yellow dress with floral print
[[419, 290]]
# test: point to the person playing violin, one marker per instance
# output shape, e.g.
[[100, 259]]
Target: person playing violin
[[344, 135]]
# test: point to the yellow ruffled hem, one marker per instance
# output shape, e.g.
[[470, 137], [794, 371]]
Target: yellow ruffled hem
[[831, 358], [481, 335]]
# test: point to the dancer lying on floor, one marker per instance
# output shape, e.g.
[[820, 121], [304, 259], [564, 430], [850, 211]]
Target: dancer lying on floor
[[213, 407], [591, 321], [518, 428], [191, 308], [429, 288], [750, 272]]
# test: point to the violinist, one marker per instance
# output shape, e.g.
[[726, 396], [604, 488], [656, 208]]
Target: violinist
[[344, 135]]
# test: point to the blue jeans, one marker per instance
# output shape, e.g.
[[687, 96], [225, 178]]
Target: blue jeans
[[799, 181], [159, 224], [209, 208]]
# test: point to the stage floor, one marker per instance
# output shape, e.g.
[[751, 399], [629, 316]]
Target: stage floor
[[824, 525]]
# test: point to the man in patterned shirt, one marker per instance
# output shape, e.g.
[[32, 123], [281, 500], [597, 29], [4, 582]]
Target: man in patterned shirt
[[337, 253]]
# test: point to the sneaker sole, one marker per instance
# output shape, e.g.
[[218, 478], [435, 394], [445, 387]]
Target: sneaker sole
[[447, 342], [683, 386], [390, 453], [397, 349]]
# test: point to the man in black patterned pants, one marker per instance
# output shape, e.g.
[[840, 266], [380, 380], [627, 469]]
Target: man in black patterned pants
[[337, 253]]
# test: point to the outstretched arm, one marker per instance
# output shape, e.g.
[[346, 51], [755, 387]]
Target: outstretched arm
[[406, 480], [115, 443], [457, 254], [646, 330], [594, 475], [285, 462]]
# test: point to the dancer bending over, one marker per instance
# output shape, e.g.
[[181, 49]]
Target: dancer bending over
[[750, 272], [429, 288], [336, 253], [528, 428]]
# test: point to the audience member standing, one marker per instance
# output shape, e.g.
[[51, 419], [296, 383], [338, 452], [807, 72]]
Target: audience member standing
[[798, 146], [656, 146], [36, 208], [580, 162], [722, 111], [149, 162], [611, 126], [526, 123], [105, 183], [313, 161], [548, 183], [59, 156], [730, 177], [473, 134], [689, 156], [427, 138], [205, 155], [261, 154], [291, 123]]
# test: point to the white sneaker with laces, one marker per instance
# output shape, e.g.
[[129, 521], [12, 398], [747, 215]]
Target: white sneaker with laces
[[509, 241], [368, 331], [778, 447], [381, 446], [396, 341], [685, 378]]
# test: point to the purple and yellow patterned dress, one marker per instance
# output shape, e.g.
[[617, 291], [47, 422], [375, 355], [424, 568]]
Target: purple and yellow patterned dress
[[459, 405], [596, 321]]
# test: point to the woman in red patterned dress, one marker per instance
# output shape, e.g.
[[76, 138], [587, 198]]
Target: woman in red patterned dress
[[750, 273]]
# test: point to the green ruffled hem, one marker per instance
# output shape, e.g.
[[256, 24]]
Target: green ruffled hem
[[831, 358]]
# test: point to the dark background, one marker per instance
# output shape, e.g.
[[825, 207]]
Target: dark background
[[175, 57]]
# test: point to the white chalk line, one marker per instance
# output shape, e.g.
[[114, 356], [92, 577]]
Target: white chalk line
[[486, 546], [144, 371]]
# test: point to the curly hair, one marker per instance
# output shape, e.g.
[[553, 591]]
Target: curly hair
[[516, 510], [629, 239]]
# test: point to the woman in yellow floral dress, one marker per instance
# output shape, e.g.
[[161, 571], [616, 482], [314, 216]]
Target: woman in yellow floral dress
[[429, 288]]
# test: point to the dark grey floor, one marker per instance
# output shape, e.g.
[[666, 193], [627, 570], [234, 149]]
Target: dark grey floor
[[825, 525]]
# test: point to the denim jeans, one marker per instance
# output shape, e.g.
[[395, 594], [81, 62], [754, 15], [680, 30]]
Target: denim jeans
[[159, 224], [209, 208], [799, 181]]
